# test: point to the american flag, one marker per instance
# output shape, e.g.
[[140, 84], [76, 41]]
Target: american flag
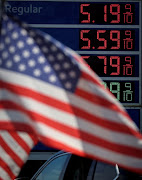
[[14, 151], [46, 89]]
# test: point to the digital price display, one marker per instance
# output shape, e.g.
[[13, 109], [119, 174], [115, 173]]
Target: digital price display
[[107, 34], [114, 65], [124, 91], [97, 39], [101, 12], [109, 13], [107, 39]]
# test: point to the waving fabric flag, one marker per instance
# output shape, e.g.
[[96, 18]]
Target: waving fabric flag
[[48, 90], [14, 151]]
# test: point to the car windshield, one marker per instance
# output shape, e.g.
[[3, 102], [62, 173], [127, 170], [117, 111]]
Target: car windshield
[[54, 169]]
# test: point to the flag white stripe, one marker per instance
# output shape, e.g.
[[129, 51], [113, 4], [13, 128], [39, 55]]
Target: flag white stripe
[[62, 117], [106, 113], [15, 116], [49, 90], [46, 89], [97, 90], [46, 109], [3, 174], [81, 145], [15, 147], [101, 112], [84, 126], [9, 161], [40, 108], [40, 86], [28, 140]]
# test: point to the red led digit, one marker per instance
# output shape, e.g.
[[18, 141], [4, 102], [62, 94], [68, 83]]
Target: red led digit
[[128, 67], [128, 15], [115, 13], [102, 39], [115, 65], [86, 57], [128, 42], [105, 63], [117, 39], [128, 59], [128, 33], [128, 7], [105, 13], [85, 39], [87, 14]]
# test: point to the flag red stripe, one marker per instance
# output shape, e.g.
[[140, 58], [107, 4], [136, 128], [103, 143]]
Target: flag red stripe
[[113, 126], [11, 153], [93, 98], [59, 104], [94, 79], [53, 143], [65, 107], [21, 142], [99, 100], [18, 90], [102, 122], [80, 134], [12, 126], [124, 149], [98, 82], [34, 138], [7, 169]]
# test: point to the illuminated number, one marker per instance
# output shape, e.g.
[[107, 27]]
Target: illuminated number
[[128, 33], [115, 65], [128, 7], [116, 13], [85, 39], [117, 39], [86, 57], [128, 94], [105, 63], [117, 90], [105, 84], [128, 16], [102, 39], [128, 42], [85, 13], [127, 68], [105, 13]]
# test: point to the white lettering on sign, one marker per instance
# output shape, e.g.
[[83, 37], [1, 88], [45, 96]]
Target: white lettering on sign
[[23, 10]]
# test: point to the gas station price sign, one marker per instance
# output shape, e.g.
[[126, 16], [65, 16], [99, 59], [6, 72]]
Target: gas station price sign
[[114, 39], [114, 65], [124, 91], [97, 12], [108, 13], [107, 34]]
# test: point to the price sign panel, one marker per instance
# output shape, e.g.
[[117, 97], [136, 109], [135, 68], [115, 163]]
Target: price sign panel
[[114, 39], [114, 65], [107, 34], [109, 13]]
